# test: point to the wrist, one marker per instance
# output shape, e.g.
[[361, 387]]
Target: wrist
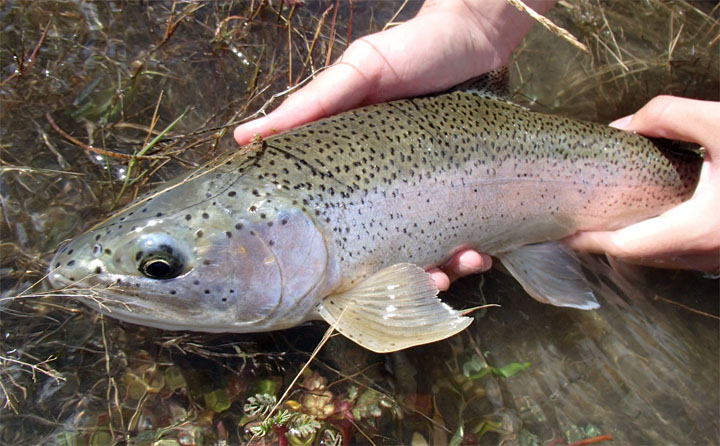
[[498, 23]]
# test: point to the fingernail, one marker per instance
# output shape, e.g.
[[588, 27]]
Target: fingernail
[[441, 280], [621, 123]]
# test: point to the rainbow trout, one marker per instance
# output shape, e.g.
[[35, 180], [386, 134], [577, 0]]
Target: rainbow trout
[[337, 220]]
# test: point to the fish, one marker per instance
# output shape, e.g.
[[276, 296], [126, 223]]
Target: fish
[[339, 219]]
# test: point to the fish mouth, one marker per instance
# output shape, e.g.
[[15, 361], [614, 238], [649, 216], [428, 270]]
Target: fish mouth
[[126, 304], [140, 307]]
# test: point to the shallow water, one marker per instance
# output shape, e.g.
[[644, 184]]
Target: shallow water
[[640, 368]]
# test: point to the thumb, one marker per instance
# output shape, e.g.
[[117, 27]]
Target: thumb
[[672, 239]]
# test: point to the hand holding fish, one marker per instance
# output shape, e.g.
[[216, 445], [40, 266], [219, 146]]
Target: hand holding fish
[[414, 58], [476, 38], [685, 237], [688, 235]]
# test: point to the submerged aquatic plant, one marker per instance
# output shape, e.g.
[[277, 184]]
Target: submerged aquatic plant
[[259, 405]]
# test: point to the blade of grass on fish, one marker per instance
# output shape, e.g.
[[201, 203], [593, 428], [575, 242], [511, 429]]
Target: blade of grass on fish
[[143, 151]]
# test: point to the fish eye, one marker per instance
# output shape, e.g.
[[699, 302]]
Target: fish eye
[[160, 266], [158, 258]]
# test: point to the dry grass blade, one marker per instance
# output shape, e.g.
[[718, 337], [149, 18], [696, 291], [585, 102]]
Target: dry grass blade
[[172, 23], [315, 352], [308, 59], [97, 150], [685, 307], [37, 368], [23, 69], [332, 35], [549, 25], [391, 22], [223, 22]]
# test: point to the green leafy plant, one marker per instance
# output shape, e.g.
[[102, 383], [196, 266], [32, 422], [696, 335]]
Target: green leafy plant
[[259, 405], [303, 425]]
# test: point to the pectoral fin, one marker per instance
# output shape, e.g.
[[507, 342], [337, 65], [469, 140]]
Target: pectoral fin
[[550, 272], [393, 309]]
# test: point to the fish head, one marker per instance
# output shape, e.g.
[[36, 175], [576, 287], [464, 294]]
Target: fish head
[[215, 254]]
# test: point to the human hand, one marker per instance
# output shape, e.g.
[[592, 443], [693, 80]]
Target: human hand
[[447, 43], [688, 235]]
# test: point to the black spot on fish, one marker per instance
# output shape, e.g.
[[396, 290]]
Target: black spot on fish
[[71, 263], [205, 215], [188, 217]]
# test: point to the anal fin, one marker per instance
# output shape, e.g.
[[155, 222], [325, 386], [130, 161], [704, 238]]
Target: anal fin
[[550, 272], [393, 309]]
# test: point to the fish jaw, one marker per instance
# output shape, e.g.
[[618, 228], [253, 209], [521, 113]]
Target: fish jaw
[[240, 260]]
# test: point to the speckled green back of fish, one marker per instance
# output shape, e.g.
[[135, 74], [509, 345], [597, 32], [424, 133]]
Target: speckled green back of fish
[[337, 219]]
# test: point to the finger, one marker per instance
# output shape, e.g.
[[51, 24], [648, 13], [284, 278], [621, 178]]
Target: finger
[[660, 118], [336, 89], [461, 264], [465, 263], [442, 281], [659, 240]]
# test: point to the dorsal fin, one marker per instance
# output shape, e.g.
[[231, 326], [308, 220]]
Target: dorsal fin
[[494, 84]]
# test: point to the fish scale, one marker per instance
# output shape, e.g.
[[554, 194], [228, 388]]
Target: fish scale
[[336, 219]]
